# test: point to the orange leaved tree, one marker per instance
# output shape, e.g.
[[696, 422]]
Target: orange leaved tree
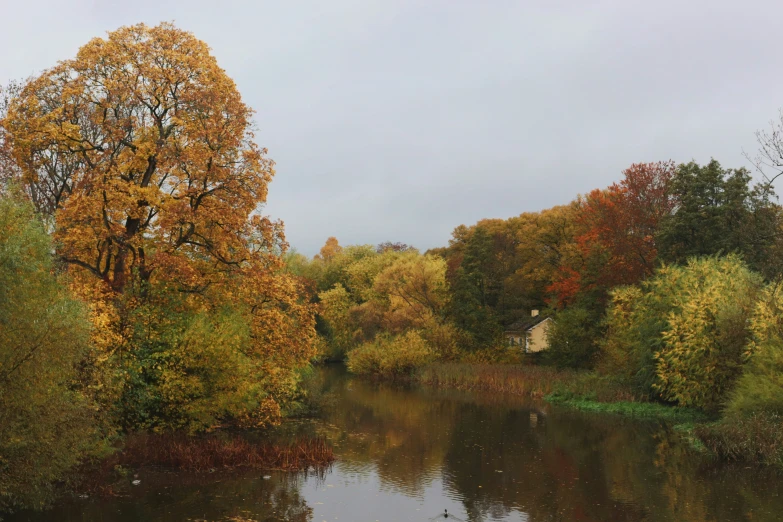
[[141, 150]]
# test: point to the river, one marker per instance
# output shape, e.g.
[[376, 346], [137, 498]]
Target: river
[[409, 453]]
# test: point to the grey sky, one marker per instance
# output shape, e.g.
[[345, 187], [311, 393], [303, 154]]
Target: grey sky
[[400, 120]]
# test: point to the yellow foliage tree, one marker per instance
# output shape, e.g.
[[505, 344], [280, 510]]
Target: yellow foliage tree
[[141, 148], [416, 289], [330, 249]]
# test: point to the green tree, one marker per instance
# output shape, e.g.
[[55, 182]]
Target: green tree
[[476, 290], [47, 423], [573, 337], [718, 212]]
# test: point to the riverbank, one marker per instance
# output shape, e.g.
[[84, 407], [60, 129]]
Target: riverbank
[[582, 390], [756, 438]]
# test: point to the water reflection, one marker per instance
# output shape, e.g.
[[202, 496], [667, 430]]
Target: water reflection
[[408, 454], [202, 497], [500, 458]]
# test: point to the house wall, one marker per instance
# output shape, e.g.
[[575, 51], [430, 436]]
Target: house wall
[[537, 337], [515, 339]]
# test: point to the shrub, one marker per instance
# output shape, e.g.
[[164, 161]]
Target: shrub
[[191, 371], [681, 336], [573, 338], [444, 338], [707, 332], [391, 355], [760, 388], [635, 322]]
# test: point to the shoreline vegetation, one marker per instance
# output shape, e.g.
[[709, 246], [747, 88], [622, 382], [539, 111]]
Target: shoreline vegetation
[[582, 390], [756, 438], [215, 452], [665, 301], [222, 451]]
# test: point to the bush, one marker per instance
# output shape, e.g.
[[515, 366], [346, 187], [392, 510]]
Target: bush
[[191, 371], [391, 355], [682, 335], [573, 338], [760, 388], [445, 339], [707, 333]]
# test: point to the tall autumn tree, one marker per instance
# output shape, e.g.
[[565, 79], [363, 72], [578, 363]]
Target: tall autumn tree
[[9, 171], [330, 249], [141, 148], [615, 244]]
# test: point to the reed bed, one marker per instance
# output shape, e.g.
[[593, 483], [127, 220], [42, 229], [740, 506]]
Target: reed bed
[[525, 380], [528, 381], [754, 438]]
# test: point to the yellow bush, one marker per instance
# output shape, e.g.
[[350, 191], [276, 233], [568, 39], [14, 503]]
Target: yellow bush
[[391, 355], [760, 388]]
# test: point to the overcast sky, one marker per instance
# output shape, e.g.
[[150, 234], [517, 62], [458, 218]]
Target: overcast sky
[[399, 120]]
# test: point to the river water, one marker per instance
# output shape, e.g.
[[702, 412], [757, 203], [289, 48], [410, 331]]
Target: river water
[[408, 454]]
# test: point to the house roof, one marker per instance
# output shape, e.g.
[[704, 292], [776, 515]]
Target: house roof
[[526, 323]]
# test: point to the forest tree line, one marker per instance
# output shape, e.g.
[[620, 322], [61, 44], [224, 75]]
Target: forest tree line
[[666, 283]]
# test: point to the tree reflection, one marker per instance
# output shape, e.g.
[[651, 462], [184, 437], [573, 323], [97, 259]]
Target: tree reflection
[[500, 455]]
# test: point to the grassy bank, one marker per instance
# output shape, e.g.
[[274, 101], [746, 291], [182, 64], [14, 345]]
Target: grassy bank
[[754, 438], [642, 409]]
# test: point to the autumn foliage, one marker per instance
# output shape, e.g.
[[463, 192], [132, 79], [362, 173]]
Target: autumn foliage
[[140, 150], [617, 230]]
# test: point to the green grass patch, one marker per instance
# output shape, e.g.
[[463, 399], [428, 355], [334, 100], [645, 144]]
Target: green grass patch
[[650, 410], [688, 431]]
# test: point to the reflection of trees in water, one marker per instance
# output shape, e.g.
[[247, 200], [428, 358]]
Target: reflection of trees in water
[[205, 497], [399, 434], [278, 499], [496, 457]]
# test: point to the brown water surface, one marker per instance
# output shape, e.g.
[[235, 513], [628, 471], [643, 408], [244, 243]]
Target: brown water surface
[[407, 453]]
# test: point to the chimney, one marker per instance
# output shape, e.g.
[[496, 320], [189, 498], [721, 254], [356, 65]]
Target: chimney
[[533, 313]]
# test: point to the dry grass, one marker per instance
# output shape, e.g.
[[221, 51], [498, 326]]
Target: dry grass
[[524, 380], [755, 438], [528, 381]]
